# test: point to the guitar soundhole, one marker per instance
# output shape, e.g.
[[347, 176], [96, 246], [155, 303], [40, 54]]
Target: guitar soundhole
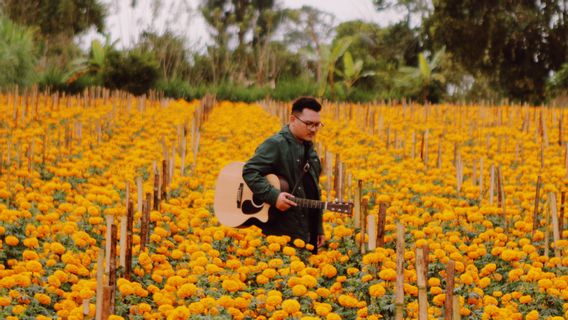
[[252, 206]]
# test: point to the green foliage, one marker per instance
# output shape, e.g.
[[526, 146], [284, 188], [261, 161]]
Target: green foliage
[[559, 82], [180, 89], [514, 44], [132, 71], [17, 53], [56, 17], [422, 81]]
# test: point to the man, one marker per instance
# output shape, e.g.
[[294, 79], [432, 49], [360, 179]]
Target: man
[[290, 155]]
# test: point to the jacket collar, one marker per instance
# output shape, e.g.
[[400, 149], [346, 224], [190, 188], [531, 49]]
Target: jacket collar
[[290, 137]]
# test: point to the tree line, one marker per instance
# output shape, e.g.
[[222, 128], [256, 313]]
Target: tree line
[[443, 50]]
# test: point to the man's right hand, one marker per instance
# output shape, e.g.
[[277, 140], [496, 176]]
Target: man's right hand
[[283, 201]]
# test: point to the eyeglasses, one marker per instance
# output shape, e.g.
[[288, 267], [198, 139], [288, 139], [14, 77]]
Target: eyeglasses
[[311, 125]]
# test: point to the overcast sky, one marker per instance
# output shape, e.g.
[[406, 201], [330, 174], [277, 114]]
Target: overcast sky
[[125, 23]]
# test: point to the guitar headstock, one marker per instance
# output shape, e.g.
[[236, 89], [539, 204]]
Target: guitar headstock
[[342, 207]]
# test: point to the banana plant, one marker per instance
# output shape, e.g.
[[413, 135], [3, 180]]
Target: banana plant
[[94, 64], [422, 77], [352, 71], [329, 56]]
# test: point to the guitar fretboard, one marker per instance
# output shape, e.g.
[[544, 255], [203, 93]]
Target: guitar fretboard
[[309, 203]]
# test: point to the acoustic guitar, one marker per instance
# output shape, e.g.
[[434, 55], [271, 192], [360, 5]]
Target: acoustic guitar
[[235, 203]]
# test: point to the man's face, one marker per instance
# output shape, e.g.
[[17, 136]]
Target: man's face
[[304, 125]]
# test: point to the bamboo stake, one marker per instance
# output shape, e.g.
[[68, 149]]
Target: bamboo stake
[[112, 269], [492, 185], [100, 280], [456, 311], [459, 173], [329, 172], [555, 226], [164, 179], [129, 234], [422, 289], [139, 190], [363, 226], [357, 203], [156, 190], [109, 223], [123, 232], [502, 197], [372, 225], [183, 150], [561, 219], [381, 224], [450, 274], [399, 294], [536, 203], [413, 153], [546, 233], [439, 160], [86, 308]]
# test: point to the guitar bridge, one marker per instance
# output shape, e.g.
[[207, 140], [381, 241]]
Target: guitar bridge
[[240, 195]]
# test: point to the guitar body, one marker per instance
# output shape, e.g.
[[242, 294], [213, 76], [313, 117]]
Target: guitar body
[[230, 187]]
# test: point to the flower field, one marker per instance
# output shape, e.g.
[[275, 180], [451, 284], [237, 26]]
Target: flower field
[[462, 180]]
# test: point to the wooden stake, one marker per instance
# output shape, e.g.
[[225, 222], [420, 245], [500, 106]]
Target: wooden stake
[[139, 191], [492, 185], [156, 190], [456, 311], [112, 269], [372, 225], [123, 234], [100, 284], [399, 293], [109, 223], [363, 226], [129, 234], [422, 289], [555, 225], [450, 274], [561, 219], [536, 203], [381, 224], [164, 179], [357, 202]]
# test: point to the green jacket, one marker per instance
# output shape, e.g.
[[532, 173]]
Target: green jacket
[[283, 155]]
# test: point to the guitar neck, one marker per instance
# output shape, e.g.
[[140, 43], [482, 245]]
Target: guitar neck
[[309, 203]]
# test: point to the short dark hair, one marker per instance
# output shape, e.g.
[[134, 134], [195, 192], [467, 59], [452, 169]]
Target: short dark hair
[[306, 102]]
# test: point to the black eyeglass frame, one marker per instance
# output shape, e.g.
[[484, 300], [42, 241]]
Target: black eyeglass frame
[[310, 125]]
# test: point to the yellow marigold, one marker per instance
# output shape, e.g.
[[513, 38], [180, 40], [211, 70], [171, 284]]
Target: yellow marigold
[[387, 274], [533, 315], [30, 255], [439, 299], [42, 298], [347, 301], [329, 271], [323, 292], [5, 301], [34, 266], [323, 309], [273, 300], [290, 306], [11, 241], [187, 290], [299, 243], [545, 283], [230, 285], [31, 242], [115, 317], [377, 290], [289, 251], [299, 290]]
